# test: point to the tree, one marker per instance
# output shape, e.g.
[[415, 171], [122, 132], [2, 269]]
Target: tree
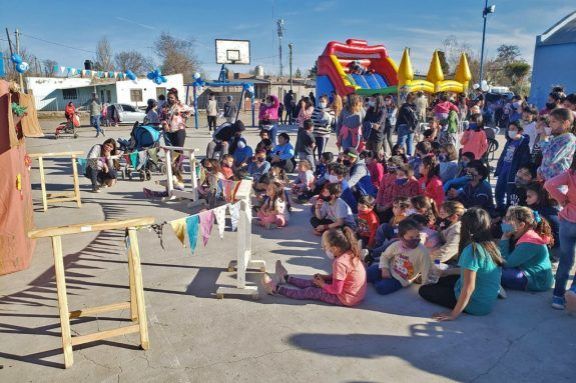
[[177, 56], [49, 67], [507, 53], [33, 70], [518, 72], [313, 72], [298, 73], [443, 63], [133, 60], [103, 59]]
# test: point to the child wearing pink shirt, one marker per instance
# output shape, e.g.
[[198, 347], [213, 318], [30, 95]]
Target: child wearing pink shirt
[[430, 182], [345, 286], [563, 189], [474, 139]]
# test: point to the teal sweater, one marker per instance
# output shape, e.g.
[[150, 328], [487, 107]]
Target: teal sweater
[[531, 256]]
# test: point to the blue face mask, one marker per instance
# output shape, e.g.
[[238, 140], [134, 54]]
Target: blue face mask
[[506, 227]]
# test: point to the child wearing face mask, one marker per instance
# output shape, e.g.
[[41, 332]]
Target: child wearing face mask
[[259, 166], [367, 221], [449, 230], [478, 191], [516, 153], [524, 246], [272, 213], [538, 199], [401, 183], [474, 139], [345, 286], [543, 131], [330, 211], [402, 262], [302, 186], [557, 153]]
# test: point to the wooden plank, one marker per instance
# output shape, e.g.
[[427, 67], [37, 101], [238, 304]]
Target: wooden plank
[[55, 154], [76, 182], [133, 306], [90, 227], [139, 288], [62, 194], [60, 199], [89, 311], [43, 183], [105, 334], [62, 300]]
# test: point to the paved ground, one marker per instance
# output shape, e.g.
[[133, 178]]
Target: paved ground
[[197, 338]]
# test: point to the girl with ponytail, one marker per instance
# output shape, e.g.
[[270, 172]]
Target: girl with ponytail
[[346, 285], [524, 246]]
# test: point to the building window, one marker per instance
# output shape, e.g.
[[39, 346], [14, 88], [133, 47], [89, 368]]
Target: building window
[[136, 95], [69, 94]]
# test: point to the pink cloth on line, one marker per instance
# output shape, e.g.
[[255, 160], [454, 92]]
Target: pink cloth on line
[[206, 223]]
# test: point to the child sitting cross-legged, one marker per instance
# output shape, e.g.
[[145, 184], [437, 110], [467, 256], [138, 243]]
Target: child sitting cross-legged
[[345, 286], [367, 221], [304, 182], [402, 262], [330, 211], [272, 212]]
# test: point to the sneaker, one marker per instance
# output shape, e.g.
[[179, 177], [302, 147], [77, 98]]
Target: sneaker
[[570, 298], [502, 293], [97, 135], [558, 303], [269, 284], [95, 189], [103, 133], [281, 272]]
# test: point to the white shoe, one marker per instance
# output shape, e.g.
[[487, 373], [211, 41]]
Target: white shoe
[[280, 272], [269, 284]]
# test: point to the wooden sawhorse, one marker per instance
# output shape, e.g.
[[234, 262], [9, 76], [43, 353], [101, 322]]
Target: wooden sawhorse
[[62, 196], [136, 303]]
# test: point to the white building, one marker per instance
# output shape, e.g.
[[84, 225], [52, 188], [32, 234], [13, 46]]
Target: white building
[[53, 93]]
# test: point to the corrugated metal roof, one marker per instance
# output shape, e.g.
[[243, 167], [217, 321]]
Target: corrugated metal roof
[[563, 32]]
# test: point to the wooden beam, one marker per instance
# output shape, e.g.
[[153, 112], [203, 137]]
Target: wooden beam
[[76, 182], [134, 253], [89, 311], [62, 300], [56, 154], [90, 227], [43, 184], [105, 334], [60, 199]]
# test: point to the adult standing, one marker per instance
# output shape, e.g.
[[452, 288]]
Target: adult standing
[[306, 110], [95, 115], [173, 119], [375, 124], [212, 112], [152, 115], [406, 124], [270, 116], [230, 110], [312, 98], [323, 118], [421, 103], [336, 105], [289, 105], [391, 114]]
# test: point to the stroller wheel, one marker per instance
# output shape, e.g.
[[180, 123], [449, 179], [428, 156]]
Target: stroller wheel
[[129, 173], [163, 168], [142, 176], [75, 135]]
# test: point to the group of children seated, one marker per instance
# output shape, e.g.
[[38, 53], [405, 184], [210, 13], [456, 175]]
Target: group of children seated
[[432, 220]]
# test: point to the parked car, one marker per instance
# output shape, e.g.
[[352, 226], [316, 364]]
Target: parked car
[[125, 114]]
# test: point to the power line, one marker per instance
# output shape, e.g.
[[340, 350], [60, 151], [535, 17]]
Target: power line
[[55, 43]]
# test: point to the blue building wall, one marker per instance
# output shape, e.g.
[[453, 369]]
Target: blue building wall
[[553, 65]]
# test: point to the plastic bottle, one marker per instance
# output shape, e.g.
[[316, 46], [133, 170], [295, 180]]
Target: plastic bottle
[[434, 273]]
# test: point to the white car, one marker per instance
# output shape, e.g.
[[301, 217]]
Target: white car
[[125, 113]]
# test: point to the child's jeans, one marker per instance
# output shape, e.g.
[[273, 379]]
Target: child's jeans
[[271, 218], [567, 252], [513, 278], [307, 290], [383, 286]]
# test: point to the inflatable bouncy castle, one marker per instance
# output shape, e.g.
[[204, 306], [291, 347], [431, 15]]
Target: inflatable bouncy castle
[[355, 67]]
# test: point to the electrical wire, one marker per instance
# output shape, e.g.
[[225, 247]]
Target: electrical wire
[[55, 43]]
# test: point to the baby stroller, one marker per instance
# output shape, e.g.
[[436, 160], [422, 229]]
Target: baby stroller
[[141, 152], [68, 127]]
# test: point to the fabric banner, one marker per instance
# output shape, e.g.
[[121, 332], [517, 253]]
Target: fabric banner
[[229, 189], [220, 215], [192, 224], [179, 227], [234, 210], [206, 223]]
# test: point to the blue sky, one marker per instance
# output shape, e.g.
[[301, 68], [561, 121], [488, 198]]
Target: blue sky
[[421, 25]]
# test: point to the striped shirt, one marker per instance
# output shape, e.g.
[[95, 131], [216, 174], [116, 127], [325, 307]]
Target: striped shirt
[[322, 118]]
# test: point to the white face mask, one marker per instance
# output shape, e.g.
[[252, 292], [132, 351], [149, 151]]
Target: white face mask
[[332, 179], [512, 133], [329, 254], [323, 105], [548, 131], [410, 211]]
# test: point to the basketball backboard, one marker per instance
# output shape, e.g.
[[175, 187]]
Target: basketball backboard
[[232, 51]]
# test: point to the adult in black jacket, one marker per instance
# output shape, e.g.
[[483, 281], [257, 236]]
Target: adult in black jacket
[[374, 124], [406, 124], [225, 136]]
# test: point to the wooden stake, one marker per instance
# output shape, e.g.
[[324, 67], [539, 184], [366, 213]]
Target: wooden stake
[[62, 300], [43, 183], [76, 182], [138, 286]]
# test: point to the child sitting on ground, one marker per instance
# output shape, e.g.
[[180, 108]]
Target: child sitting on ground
[[346, 285], [367, 221], [449, 227], [227, 167], [429, 237], [322, 171], [272, 213], [330, 211], [402, 262], [304, 182]]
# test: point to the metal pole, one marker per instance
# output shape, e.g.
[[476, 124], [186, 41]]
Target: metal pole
[[290, 46], [280, 24], [485, 15], [195, 106], [18, 51]]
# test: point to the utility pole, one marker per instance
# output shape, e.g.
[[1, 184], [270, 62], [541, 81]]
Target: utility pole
[[280, 25], [290, 46], [487, 10], [18, 51]]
